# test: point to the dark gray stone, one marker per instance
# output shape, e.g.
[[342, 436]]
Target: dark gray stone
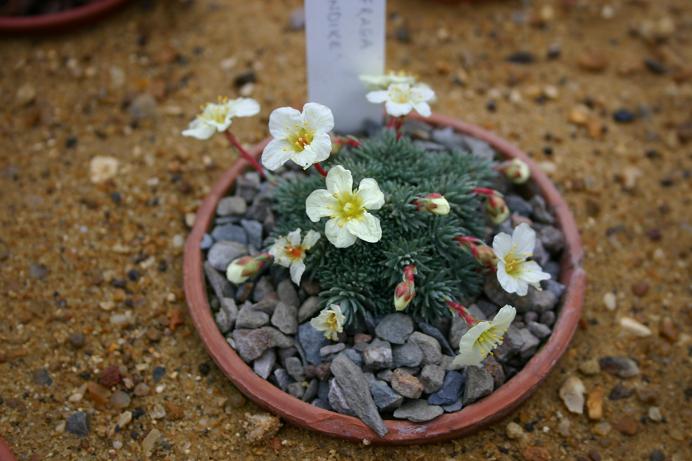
[[552, 238], [493, 367], [263, 289], [309, 308], [285, 318], [223, 321], [432, 377], [287, 293], [355, 356], [281, 378], [384, 396], [332, 349], [539, 330], [540, 210], [535, 300], [418, 411], [253, 229], [453, 407], [295, 368], [357, 393], [296, 390], [264, 365], [406, 355], [555, 287], [540, 254], [449, 138], [457, 330], [229, 233], [337, 399], [395, 328], [311, 341], [450, 390], [479, 148], [247, 186], [377, 355], [437, 334], [479, 383], [529, 344], [219, 283], [42, 377], [221, 254], [206, 242], [518, 205], [429, 346], [311, 390], [251, 344], [78, 424], [548, 318], [320, 403], [488, 308], [231, 206], [622, 367], [248, 317], [385, 375]]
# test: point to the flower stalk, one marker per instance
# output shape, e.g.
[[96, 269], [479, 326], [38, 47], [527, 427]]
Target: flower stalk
[[461, 310], [320, 169], [233, 141]]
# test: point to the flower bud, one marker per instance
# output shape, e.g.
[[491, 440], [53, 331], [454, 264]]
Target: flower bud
[[515, 170], [479, 250], [405, 291], [434, 203], [461, 310], [497, 209], [241, 269]]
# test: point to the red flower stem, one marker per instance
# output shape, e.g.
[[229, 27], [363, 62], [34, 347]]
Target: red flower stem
[[462, 311], [320, 169], [233, 141]]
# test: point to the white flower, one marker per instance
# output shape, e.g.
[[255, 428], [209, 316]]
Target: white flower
[[347, 208], [219, 116], [514, 272], [289, 251], [330, 321], [482, 338], [402, 98], [381, 82], [299, 136]]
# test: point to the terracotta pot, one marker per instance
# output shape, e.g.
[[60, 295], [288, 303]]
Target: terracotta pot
[[485, 411], [5, 453], [62, 21]]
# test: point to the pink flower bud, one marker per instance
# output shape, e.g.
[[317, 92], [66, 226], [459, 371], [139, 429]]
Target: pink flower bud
[[434, 203], [495, 205], [405, 291], [241, 269], [515, 170], [479, 250]]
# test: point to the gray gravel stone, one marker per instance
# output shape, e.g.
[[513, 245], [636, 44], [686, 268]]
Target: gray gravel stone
[[285, 318], [456, 406], [406, 384], [357, 393], [309, 308], [449, 138], [221, 254], [231, 206], [429, 346], [311, 390], [337, 399], [78, 424], [552, 238], [264, 365], [529, 343], [377, 355], [295, 368], [206, 242], [311, 341], [540, 210], [355, 356], [450, 390], [247, 185], [223, 321], [430, 330], [418, 411], [251, 343], [432, 377], [229, 233], [395, 328], [479, 383], [281, 378], [219, 284], [319, 403], [623, 367], [253, 230], [264, 289], [296, 390], [493, 367], [535, 300], [548, 318], [332, 349], [539, 330], [457, 330], [42, 377], [248, 317], [406, 355], [287, 293], [384, 396], [518, 205]]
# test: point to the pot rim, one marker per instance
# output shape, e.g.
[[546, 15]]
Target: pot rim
[[58, 21], [449, 425], [5, 452]]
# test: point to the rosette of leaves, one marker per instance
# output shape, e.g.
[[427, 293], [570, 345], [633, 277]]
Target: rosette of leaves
[[362, 277]]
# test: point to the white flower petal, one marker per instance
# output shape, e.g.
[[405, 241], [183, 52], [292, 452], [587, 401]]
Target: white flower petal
[[296, 270], [293, 237], [532, 273], [398, 109], [284, 121], [339, 180], [370, 193], [310, 239], [276, 153], [366, 228], [318, 117], [422, 93], [321, 148], [504, 318], [524, 240], [199, 129], [339, 236], [320, 203], [502, 244], [377, 97], [507, 282], [423, 108], [243, 107]]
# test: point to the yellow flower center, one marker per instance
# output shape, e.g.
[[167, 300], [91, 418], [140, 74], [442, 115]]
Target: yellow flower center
[[348, 206], [300, 139], [399, 95], [332, 322], [513, 263], [294, 252], [216, 113], [489, 340]]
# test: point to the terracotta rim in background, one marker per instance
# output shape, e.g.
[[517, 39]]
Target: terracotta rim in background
[[471, 418], [5, 452], [61, 21]]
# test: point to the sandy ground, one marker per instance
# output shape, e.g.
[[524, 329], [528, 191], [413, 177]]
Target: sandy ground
[[76, 257]]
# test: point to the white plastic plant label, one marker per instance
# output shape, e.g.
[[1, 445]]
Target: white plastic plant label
[[345, 39]]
